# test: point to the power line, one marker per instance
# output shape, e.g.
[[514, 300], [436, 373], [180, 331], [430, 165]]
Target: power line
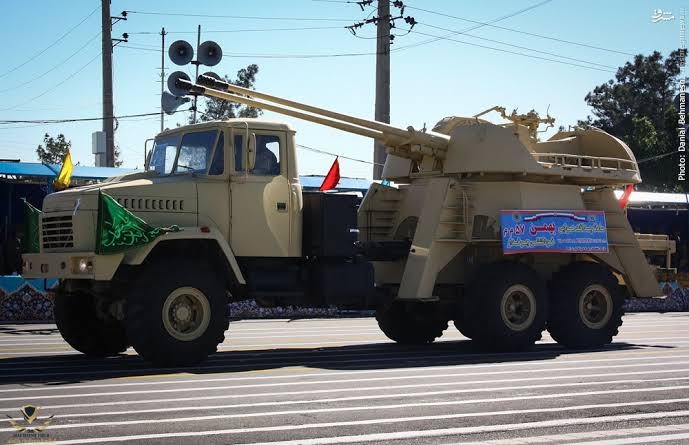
[[54, 86], [249, 17], [521, 47], [513, 52], [316, 150], [306, 28], [504, 17], [54, 67], [585, 45], [59, 39], [78, 119]]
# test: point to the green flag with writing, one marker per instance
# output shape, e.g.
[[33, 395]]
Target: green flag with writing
[[118, 229], [32, 234]]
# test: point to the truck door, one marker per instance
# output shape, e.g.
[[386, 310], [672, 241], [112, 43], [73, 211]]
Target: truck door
[[261, 198]]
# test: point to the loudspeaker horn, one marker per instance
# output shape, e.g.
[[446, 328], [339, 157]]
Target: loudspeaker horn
[[211, 74], [170, 103], [171, 83], [181, 52], [210, 53]]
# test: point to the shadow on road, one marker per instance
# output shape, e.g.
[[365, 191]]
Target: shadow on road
[[65, 369]]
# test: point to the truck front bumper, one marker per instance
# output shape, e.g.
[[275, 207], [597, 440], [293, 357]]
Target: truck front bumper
[[70, 265]]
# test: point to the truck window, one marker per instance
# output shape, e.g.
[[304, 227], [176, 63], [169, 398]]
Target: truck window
[[195, 151], [163, 155], [267, 154]]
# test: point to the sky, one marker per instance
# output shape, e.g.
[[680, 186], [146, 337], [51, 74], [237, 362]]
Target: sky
[[52, 65]]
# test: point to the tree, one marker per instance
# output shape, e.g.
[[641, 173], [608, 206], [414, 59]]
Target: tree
[[637, 107], [221, 109], [53, 150]]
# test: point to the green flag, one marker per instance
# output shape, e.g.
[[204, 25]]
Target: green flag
[[32, 236], [118, 229]]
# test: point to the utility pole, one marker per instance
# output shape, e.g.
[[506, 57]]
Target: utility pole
[[384, 38], [162, 77], [382, 113], [108, 126]]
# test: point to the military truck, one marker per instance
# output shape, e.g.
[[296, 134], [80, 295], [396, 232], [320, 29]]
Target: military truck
[[483, 225]]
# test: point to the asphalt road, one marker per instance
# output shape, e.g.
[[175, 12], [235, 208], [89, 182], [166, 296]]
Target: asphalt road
[[341, 381]]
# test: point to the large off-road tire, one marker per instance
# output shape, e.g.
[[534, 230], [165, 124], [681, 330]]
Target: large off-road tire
[[411, 323], [80, 325], [505, 307], [177, 312], [585, 306]]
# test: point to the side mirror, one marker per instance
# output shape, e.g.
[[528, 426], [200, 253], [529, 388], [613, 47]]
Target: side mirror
[[251, 152]]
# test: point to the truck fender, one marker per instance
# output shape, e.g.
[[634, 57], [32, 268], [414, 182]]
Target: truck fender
[[138, 256]]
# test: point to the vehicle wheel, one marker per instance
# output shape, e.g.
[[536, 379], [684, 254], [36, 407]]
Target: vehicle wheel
[[78, 321], [176, 312], [586, 306], [505, 307], [411, 323]]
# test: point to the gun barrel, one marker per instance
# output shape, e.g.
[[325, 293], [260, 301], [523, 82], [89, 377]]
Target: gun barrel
[[385, 132]]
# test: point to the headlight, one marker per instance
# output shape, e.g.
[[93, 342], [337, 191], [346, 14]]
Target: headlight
[[82, 265]]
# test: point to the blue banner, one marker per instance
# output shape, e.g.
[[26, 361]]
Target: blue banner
[[570, 231]]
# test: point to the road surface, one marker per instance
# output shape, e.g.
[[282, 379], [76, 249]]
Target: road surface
[[341, 381]]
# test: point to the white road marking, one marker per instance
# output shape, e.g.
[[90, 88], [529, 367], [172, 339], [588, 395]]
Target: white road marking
[[352, 381], [362, 398], [637, 356], [565, 438], [386, 436], [346, 390], [340, 409], [350, 409]]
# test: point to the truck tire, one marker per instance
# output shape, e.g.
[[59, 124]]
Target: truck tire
[[177, 312], [77, 319], [410, 323], [505, 307], [586, 306]]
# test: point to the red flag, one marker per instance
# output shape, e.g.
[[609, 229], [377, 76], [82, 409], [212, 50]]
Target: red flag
[[624, 199], [332, 178]]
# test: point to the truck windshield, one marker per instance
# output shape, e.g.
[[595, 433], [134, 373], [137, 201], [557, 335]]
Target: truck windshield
[[191, 155], [195, 151], [163, 155]]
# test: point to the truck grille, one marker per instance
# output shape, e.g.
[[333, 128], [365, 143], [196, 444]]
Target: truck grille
[[57, 232]]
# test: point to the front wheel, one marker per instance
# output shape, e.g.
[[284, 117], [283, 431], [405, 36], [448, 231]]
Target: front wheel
[[411, 323], [84, 329], [586, 306], [176, 313]]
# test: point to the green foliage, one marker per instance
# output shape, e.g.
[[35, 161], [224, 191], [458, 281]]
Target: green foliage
[[216, 109], [637, 107], [53, 150]]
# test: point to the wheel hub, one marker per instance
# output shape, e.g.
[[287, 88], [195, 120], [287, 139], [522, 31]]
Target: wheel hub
[[595, 307], [518, 308], [186, 313]]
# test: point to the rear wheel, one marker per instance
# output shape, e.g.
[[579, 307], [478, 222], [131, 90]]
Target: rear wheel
[[176, 312], [84, 328], [505, 307], [586, 306], [411, 323]]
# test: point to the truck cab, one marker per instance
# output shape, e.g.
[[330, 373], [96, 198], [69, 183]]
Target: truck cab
[[246, 176]]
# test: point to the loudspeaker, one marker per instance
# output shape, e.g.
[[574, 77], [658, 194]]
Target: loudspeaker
[[171, 83], [170, 103], [214, 76], [210, 53], [181, 52]]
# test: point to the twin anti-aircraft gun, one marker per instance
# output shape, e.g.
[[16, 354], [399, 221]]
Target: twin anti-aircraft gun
[[485, 226]]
